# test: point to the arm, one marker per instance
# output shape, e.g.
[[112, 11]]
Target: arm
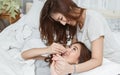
[[97, 56], [36, 52], [96, 60], [39, 57]]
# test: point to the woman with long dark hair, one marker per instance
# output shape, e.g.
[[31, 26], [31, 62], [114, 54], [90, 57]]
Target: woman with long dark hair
[[63, 20]]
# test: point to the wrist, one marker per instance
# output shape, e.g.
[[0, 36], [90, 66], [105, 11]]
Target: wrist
[[48, 50], [73, 69], [45, 50]]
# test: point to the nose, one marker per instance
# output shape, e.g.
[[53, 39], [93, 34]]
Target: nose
[[63, 22]]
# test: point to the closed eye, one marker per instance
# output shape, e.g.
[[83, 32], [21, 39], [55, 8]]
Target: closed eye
[[60, 18]]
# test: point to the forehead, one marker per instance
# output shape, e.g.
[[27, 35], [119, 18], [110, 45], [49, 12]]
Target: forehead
[[76, 45]]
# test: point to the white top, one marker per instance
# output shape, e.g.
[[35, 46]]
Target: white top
[[95, 26]]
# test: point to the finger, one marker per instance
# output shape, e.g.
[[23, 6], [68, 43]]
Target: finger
[[57, 72], [59, 50], [54, 55], [59, 46], [53, 63], [60, 57], [57, 59], [57, 68]]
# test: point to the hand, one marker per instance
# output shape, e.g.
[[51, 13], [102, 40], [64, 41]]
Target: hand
[[61, 66], [56, 48], [52, 69]]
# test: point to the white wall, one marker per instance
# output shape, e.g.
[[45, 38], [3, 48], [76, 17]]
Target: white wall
[[109, 8], [101, 4]]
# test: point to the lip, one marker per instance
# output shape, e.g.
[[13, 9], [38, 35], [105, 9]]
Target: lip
[[63, 54]]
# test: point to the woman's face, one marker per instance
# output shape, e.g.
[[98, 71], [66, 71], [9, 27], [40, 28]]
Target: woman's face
[[62, 19], [72, 54]]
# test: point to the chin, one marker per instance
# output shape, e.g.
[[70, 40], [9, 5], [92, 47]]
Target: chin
[[74, 24], [71, 62]]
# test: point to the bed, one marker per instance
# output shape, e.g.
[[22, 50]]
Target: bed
[[28, 33]]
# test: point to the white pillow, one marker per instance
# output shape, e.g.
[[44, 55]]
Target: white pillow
[[32, 17]]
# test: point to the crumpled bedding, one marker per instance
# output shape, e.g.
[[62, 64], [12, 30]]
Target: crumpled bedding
[[16, 38]]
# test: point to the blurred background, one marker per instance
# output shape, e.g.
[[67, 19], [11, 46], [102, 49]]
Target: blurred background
[[109, 8]]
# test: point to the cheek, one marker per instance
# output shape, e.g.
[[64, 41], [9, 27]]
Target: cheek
[[73, 58], [54, 17], [73, 23]]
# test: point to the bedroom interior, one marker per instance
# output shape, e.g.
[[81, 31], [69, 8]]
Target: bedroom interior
[[29, 16], [109, 8]]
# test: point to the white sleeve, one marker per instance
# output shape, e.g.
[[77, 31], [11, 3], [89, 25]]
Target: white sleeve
[[96, 28]]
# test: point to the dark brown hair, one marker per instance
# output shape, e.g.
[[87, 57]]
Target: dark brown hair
[[85, 54], [52, 30]]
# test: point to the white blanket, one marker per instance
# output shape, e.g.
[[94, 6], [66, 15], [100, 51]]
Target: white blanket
[[16, 38]]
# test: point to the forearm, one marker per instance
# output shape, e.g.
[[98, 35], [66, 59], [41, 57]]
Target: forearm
[[97, 57], [32, 53], [39, 58], [86, 66]]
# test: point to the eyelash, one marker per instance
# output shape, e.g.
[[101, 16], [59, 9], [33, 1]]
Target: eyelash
[[74, 49]]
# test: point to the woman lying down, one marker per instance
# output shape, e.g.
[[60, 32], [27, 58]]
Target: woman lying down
[[74, 54]]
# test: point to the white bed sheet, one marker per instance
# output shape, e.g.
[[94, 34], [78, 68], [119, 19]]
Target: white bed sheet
[[107, 68]]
